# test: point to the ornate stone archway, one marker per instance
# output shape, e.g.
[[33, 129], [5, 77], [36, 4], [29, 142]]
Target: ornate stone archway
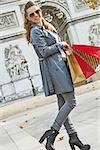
[[57, 13]]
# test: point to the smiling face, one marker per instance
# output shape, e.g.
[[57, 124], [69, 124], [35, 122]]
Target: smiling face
[[34, 14]]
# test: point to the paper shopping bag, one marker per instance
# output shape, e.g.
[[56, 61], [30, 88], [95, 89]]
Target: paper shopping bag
[[75, 70]]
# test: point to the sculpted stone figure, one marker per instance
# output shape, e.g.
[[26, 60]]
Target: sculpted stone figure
[[15, 62]]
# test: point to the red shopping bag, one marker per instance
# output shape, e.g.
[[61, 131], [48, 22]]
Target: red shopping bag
[[86, 69], [88, 58], [89, 50]]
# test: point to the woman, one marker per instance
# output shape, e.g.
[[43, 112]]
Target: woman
[[55, 75]]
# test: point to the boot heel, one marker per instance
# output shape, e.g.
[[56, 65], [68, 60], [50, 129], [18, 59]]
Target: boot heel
[[45, 135], [50, 136], [72, 146], [42, 138]]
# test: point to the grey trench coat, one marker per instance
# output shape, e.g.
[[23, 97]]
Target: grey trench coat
[[54, 72]]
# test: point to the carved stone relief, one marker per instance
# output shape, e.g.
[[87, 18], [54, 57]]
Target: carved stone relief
[[53, 14], [79, 4], [7, 1], [63, 2], [8, 20], [94, 34], [15, 62], [49, 16]]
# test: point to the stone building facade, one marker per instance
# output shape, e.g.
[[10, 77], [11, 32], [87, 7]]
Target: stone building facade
[[19, 69]]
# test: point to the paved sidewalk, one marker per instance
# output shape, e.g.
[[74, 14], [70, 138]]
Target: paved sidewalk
[[14, 138]]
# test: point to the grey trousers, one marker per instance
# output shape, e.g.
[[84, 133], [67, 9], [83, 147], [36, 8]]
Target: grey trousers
[[66, 102]]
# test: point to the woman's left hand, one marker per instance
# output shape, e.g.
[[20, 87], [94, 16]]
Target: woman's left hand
[[67, 48]]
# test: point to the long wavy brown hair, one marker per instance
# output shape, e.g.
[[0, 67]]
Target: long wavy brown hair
[[28, 24]]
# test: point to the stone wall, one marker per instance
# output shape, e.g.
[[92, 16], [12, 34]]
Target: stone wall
[[19, 68]]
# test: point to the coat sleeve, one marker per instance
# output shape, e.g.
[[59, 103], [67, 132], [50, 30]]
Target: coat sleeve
[[39, 42]]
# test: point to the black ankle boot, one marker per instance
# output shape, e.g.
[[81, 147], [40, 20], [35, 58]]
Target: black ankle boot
[[50, 135], [75, 141]]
